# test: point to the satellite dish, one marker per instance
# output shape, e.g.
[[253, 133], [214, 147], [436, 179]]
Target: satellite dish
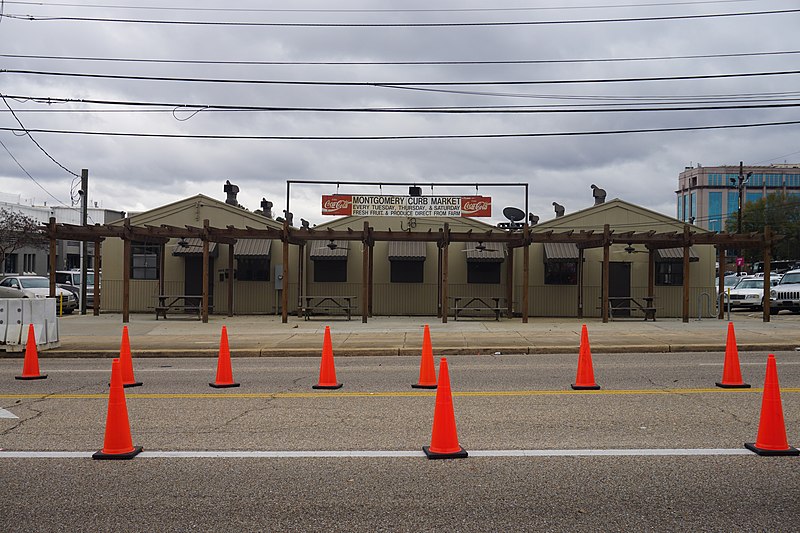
[[513, 214]]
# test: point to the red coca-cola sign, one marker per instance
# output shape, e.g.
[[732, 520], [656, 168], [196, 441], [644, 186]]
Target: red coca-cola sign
[[337, 204], [476, 206]]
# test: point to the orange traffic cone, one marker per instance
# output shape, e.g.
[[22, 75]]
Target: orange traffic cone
[[126, 362], [224, 373], [327, 371], [731, 373], [771, 439], [427, 372], [30, 366], [584, 380], [117, 443], [444, 440]]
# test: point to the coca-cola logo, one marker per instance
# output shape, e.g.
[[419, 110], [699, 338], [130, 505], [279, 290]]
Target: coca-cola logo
[[475, 206], [335, 204]]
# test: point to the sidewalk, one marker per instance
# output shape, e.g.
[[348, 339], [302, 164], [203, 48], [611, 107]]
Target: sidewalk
[[266, 336]]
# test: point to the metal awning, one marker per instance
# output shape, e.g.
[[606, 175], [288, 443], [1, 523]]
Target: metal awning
[[192, 247], [560, 252], [407, 250], [493, 253], [675, 254], [322, 250], [252, 248]]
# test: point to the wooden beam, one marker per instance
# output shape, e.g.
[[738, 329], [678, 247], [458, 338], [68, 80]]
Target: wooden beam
[[365, 273], [230, 277], [767, 272], [126, 280], [526, 259], [445, 267], [687, 242], [285, 281], [580, 282], [510, 283], [205, 274], [301, 254], [96, 296], [651, 273], [604, 298]]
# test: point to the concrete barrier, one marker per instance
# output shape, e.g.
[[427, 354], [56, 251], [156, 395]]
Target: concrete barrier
[[16, 314]]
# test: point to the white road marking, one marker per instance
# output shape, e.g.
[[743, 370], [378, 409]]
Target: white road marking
[[7, 414], [346, 454]]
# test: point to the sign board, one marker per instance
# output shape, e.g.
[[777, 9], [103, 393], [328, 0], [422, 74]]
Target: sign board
[[739, 261], [406, 206]]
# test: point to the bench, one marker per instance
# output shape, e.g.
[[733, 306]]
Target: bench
[[328, 304], [478, 304], [632, 304], [178, 303]]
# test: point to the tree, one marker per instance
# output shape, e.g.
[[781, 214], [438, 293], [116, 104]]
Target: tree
[[18, 231], [781, 212]]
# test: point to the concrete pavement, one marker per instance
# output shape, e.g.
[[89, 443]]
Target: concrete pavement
[[266, 336]]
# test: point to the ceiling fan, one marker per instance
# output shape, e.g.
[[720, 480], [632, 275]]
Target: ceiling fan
[[480, 247], [333, 245]]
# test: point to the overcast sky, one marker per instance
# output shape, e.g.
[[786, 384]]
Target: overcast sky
[[139, 173]]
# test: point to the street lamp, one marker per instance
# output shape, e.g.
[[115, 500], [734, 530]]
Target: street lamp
[[743, 179]]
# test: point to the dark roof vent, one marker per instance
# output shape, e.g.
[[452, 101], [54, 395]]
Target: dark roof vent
[[231, 190]]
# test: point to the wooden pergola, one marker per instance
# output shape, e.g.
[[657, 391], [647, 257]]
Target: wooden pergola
[[520, 238]]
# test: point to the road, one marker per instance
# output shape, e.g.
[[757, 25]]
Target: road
[[542, 457]]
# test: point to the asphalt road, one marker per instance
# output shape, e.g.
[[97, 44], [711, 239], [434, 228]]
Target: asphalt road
[[503, 404]]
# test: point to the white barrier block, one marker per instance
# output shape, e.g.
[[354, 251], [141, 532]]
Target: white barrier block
[[14, 330]]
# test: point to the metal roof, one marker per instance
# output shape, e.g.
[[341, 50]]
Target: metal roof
[[252, 248], [193, 246], [406, 250], [494, 253], [675, 254], [321, 250], [560, 251]]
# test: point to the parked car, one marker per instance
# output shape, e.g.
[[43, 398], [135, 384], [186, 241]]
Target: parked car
[[39, 287], [786, 294], [9, 292], [71, 281], [730, 281], [749, 292]]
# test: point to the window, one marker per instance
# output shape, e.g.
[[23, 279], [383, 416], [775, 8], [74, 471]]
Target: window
[[330, 270], [407, 271], [11, 264], [144, 260], [29, 262], [715, 211], [560, 273], [483, 272], [669, 273], [253, 268]]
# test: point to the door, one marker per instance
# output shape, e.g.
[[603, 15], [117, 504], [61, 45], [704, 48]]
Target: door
[[619, 287], [193, 283]]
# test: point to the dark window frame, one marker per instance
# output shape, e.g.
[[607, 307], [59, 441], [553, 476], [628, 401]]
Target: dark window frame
[[561, 273], [330, 271], [407, 271], [253, 268], [148, 257], [484, 272], [669, 273]]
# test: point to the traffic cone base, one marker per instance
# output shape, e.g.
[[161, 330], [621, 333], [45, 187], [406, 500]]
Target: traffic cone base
[[333, 386], [134, 384], [761, 451], [729, 386], [418, 386], [26, 378], [223, 385], [129, 455], [585, 387], [460, 454]]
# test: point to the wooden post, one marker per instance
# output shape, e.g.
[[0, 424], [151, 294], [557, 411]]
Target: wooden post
[[52, 231], [686, 244], [205, 272], [96, 297], [526, 260], [510, 282], [365, 273], [230, 278], [604, 298], [651, 273], [767, 272], [162, 253], [439, 280], [285, 281], [580, 282], [301, 261], [126, 278], [445, 266], [721, 281], [371, 274]]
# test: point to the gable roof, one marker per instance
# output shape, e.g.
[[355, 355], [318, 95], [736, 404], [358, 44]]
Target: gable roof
[[592, 218]]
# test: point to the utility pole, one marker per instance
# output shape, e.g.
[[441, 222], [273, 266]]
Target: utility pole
[[740, 186], [84, 192]]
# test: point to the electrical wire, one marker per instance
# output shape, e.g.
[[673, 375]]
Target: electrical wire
[[405, 137], [33, 18], [29, 174]]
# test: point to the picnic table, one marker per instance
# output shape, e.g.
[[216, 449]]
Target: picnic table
[[628, 303], [328, 304], [494, 304], [184, 303]]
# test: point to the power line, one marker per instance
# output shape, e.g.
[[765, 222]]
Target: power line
[[403, 137], [408, 85], [29, 174], [406, 10], [33, 18], [398, 63]]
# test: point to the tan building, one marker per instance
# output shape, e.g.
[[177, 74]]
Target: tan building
[[406, 275]]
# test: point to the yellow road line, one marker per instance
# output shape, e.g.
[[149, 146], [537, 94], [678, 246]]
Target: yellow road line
[[390, 394]]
